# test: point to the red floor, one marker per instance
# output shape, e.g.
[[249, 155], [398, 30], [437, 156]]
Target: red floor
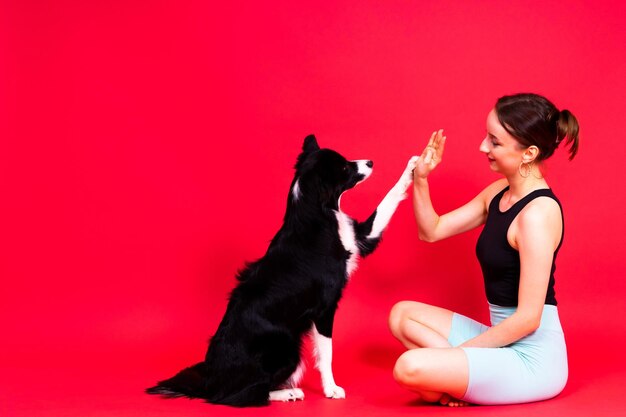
[[106, 393], [114, 387]]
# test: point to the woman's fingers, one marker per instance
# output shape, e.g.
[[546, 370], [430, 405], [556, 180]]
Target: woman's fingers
[[438, 136], [428, 157], [441, 142], [431, 155], [431, 141]]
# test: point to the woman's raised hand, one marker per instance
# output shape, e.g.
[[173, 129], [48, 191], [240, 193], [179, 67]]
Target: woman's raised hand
[[431, 156]]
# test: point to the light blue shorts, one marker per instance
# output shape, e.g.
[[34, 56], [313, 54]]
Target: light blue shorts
[[532, 369]]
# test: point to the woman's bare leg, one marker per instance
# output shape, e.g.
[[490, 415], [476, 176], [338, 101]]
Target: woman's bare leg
[[419, 325], [434, 373]]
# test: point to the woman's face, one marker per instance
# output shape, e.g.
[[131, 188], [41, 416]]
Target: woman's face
[[502, 150]]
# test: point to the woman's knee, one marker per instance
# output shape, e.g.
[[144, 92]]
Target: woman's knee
[[397, 317], [408, 369], [400, 313]]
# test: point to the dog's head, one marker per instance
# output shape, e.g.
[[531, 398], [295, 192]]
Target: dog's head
[[323, 174]]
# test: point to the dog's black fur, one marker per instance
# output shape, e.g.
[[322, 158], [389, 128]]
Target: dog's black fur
[[296, 285]]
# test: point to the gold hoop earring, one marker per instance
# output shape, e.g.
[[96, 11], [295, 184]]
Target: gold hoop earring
[[529, 168]]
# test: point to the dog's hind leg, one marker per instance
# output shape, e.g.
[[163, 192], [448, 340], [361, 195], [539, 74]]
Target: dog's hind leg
[[295, 378], [289, 391], [288, 394], [254, 395]]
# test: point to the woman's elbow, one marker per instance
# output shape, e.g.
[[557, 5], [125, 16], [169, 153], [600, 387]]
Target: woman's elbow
[[426, 238], [427, 235], [531, 324]]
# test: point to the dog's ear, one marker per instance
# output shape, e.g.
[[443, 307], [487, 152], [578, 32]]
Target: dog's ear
[[310, 144], [308, 147]]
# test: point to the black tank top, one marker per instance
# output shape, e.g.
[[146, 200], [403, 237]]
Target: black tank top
[[498, 260]]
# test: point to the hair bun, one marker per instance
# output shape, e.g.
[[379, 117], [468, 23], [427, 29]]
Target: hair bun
[[567, 128], [557, 120]]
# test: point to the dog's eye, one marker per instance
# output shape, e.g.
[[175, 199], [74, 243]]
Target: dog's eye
[[345, 168]]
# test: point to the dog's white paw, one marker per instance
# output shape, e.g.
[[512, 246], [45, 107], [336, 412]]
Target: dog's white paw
[[334, 391], [285, 395], [410, 166], [407, 175], [406, 179]]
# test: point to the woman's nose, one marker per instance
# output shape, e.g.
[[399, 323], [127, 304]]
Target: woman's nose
[[483, 146]]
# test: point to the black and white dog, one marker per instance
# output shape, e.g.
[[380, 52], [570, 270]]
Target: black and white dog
[[254, 357]]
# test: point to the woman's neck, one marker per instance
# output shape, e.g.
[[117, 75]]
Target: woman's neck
[[520, 186]]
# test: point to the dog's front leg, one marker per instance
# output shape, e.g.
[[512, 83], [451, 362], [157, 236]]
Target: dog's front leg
[[370, 231], [324, 355], [388, 206]]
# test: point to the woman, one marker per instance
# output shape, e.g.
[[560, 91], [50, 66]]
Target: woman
[[522, 356]]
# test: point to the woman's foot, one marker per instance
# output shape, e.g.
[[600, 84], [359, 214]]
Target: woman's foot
[[452, 402]]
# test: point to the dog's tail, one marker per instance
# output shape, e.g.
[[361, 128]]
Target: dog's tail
[[195, 382], [190, 382]]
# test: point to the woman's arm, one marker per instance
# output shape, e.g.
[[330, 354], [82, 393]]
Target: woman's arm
[[431, 226], [535, 234]]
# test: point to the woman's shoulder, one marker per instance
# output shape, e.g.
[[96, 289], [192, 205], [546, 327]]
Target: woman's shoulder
[[490, 191], [543, 208], [539, 222], [542, 214]]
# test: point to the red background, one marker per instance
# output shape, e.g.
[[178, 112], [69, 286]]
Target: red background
[[147, 149]]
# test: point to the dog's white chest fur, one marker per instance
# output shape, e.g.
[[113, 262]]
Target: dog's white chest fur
[[348, 240]]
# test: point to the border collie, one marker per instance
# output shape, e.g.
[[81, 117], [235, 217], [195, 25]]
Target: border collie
[[254, 357]]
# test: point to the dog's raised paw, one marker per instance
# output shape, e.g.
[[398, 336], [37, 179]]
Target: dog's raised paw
[[335, 392], [285, 395], [406, 179]]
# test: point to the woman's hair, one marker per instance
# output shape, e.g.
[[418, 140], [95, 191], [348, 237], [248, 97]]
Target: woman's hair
[[534, 120]]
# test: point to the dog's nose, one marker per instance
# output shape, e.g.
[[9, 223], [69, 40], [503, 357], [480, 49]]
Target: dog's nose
[[369, 164]]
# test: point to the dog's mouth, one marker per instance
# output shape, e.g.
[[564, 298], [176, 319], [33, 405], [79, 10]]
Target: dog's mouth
[[364, 169]]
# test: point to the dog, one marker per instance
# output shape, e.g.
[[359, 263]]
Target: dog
[[255, 355]]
